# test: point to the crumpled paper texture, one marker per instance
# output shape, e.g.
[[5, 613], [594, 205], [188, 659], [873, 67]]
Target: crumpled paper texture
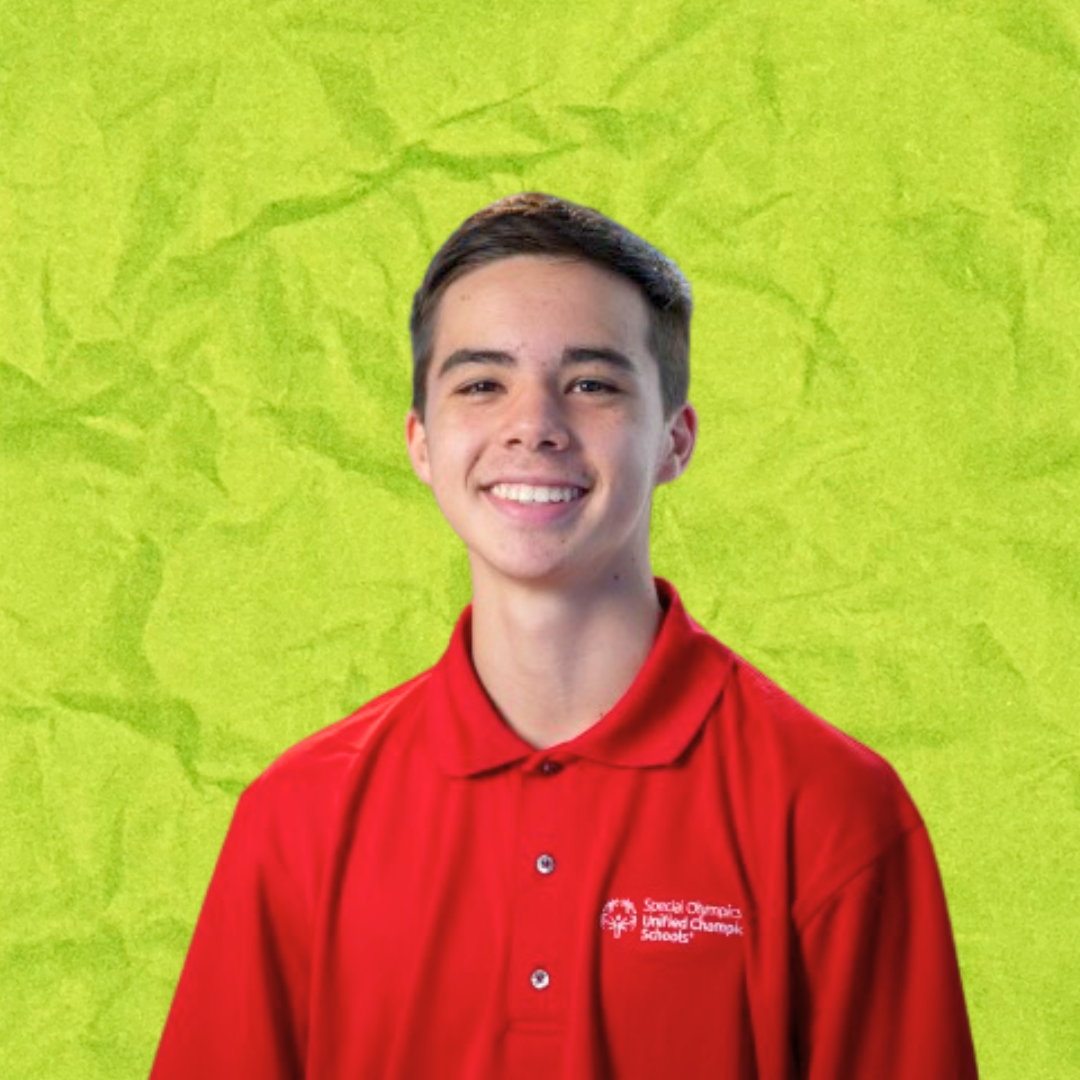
[[213, 218]]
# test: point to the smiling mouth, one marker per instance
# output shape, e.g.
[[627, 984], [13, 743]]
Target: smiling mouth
[[531, 493]]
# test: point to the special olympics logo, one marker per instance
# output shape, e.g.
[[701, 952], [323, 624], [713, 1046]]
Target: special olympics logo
[[619, 916]]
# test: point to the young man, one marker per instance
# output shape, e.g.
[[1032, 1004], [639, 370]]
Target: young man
[[590, 841]]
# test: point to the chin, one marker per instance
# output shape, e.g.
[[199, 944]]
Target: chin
[[536, 571]]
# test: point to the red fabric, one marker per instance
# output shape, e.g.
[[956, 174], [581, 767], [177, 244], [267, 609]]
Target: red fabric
[[736, 890]]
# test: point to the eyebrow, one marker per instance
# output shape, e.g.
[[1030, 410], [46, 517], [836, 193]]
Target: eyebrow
[[573, 354]]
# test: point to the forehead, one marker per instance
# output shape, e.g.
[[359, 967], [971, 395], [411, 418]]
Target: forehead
[[541, 303]]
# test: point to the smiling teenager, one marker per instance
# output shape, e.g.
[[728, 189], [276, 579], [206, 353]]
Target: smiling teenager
[[543, 436], [591, 841]]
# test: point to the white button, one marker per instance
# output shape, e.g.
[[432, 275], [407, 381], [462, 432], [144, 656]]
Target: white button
[[540, 979], [545, 864]]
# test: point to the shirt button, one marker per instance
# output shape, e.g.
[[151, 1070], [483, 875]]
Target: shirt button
[[549, 767], [545, 864], [540, 979]]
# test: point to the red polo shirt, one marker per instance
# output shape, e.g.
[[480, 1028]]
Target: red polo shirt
[[710, 882]]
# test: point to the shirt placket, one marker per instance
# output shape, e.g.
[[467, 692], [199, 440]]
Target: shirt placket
[[546, 868]]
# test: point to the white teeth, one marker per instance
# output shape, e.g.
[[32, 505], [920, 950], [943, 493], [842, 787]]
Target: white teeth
[[526, 493]]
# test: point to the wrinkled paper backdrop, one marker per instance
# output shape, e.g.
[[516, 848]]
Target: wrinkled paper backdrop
[[212, 220]]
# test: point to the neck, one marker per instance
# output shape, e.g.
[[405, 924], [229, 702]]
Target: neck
[[555, 662]]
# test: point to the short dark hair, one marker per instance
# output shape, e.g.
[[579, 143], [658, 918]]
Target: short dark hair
[[533, 223]]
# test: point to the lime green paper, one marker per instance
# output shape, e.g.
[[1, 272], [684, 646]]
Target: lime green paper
[[212, 220]]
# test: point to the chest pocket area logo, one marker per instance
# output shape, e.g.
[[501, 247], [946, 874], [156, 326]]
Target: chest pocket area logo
[[619, 917], [676, 921]]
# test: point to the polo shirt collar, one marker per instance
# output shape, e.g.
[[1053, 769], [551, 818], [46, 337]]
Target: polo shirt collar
[[650, 725]]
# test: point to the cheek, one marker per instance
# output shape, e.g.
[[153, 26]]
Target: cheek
[[452, 456], [633, 474]]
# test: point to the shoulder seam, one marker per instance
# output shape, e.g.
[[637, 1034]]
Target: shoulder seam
[[861, 869]]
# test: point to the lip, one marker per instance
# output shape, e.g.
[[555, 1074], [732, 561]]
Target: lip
[[537, 481]]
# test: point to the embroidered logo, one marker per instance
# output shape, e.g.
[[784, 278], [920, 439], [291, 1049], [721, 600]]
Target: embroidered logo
[[675, 921], [619, 916]]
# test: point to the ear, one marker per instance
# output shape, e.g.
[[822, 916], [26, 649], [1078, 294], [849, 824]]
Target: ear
[[679, 444], [416, 442]]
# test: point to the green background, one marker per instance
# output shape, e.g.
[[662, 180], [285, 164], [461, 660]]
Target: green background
[[213, 216]]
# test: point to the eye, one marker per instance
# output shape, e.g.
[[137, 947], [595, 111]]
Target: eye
[[478, 387], [593, 386]]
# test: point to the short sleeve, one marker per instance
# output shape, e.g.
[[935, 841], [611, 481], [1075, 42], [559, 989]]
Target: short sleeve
[[240, 1004], [878, 986]]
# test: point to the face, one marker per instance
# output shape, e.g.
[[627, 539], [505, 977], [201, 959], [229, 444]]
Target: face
[[543, 436]]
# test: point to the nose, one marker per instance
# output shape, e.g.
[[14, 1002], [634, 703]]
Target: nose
[[535, 420]]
